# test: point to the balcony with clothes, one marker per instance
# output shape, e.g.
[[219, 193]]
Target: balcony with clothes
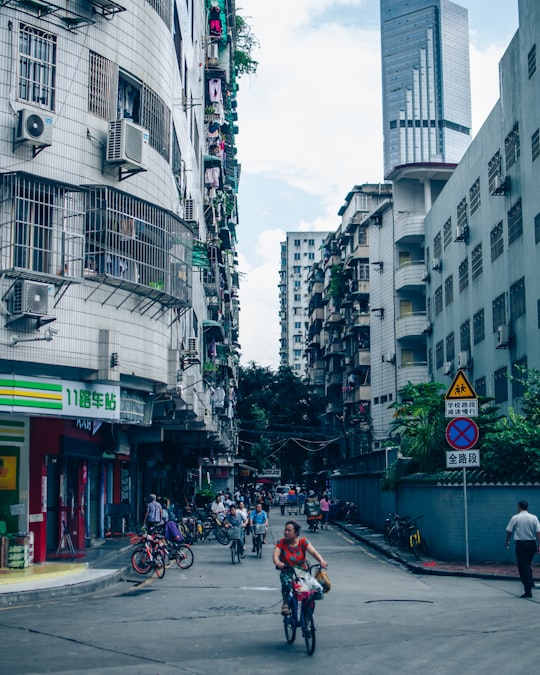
[[410, 276], [409, 227]]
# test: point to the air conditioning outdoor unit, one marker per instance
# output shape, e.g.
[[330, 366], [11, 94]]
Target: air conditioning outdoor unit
[[436, 264], [448, 367], [503, 337], [30, 298], [464, 359], [425, 274], [427, 327], [500, 185], [125, 144], [461, 232], [192, 345], [389, 357], [34, 128], [213, 51]]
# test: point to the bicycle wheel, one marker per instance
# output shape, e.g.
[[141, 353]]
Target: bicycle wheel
[[184, 556], [259, 546], [140, 561], [221, 535], [423, 548], [289, 621], [308, 627], [234, 547], [393, 535], [159, 564]]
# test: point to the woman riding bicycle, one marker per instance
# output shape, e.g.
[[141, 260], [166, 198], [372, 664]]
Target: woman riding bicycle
[[291, 552]]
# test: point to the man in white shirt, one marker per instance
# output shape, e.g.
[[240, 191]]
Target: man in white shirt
[[526, 529]]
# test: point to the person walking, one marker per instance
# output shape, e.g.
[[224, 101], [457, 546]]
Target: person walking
[[282, 502], [526, 530], [154, 512], [325, 510]]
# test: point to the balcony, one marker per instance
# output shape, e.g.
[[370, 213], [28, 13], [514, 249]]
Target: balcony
[[415, 373], [335, 378], [409, 227], [317, 313], [410, 277], [361, 358], [335, 349], [359, 321], [357, 394], [411, 325]]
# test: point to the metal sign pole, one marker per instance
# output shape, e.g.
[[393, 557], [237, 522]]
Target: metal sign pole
[[466, 518]]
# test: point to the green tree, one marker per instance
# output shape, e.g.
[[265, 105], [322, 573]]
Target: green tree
[[246, 43]]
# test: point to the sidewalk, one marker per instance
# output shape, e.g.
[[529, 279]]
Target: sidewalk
[[430, 565], [92, 569]]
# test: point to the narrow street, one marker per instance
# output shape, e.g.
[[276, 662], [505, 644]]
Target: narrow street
[[219, 618]]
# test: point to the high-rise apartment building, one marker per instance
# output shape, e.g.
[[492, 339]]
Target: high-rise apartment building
[[299, 252], [426, 82]]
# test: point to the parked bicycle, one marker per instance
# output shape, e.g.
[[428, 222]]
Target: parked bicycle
[[413, 539], [181, 554], [352, 513], [403, 531], [259, 530], [150, 555], [301, 609]]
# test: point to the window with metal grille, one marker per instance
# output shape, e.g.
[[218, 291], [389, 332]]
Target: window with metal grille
[[439, 354], [463, 275], [480, 386], [494, 170], [177, 40], [156, 118], [537, 228], [438, 300], [163, 8], [462, 219], [476, 262], [515, 222], [501, 385], [511, 147], [448, 290], [498, 308], [133, 244], [437, 246], [450, 347], [474, 196], [535, 145], [478, 327], [531, 61], [447, 233], [496, 241], [37, 67], [102, 73], [465, 336], [519, 377], [517, 299], [42, 226]]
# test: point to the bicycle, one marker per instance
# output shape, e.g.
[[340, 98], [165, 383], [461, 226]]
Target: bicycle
[[413, 539], [396, 532], [181, 553], [235, 534], [150, 556], [259, 530], [301, 608]]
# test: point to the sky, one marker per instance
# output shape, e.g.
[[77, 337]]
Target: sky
[[310, 128]]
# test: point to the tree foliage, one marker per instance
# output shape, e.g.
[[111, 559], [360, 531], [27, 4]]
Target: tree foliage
[[246, 43]]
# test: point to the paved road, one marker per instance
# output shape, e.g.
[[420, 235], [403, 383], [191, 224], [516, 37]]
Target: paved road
[[215, 618]]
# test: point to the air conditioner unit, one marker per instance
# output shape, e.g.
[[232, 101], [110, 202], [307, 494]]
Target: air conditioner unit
[[125, 144], [389, 357], [464, 359], [500, 185], [425, 274], [503, 337], [212, 51], [427, 327], [461, 232], [448, 367], [192, 345], [34, 128], [436, 264], [30, 298]]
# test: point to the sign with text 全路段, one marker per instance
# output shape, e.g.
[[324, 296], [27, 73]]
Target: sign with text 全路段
[[458, 460]]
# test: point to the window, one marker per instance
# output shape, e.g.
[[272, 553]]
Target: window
[[498, 307], [517, 299], [297, 256], [363, 271], [437, 246], [501, 385], [37, 67], [43, 226], [156, 118], [511, 147], [494, 170], [518, 386], [447, 233], [297, 297], [463, 275], [297, 269], [531, 61], [476, 262], [478, 327], [450, 347], [311, 256], [297, 324], [465, 336], [496, 241], [515, 222], [474, 196], [438, 301], [101, 75], [297, 353], [439, 354], [297, 338], [297, 284], [362, 236], [462, 218], [311, 242], [480, 386], [297, 242], [448, 290], [535, 145]]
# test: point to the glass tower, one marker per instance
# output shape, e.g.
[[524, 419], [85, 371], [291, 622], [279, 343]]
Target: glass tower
[[425, 82]]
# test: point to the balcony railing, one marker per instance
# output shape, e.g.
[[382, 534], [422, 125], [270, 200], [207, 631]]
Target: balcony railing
[[410, 276], [415, 373], [409, 226], [411, 325]]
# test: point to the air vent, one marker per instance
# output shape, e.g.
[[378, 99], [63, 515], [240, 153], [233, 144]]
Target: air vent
[[34, 128], [30, 298], [125, 144]]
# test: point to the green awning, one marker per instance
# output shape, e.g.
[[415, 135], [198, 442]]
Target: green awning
[[200, 256]]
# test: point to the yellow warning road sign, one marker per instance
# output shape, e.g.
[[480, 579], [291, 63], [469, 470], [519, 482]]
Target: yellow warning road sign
[[460, 387]]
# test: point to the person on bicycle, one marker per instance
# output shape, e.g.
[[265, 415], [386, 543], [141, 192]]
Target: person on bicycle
[[291, 552], [258, 517], [236, 519]]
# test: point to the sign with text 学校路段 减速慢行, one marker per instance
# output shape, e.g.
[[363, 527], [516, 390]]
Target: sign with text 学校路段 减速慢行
[[461, 399]]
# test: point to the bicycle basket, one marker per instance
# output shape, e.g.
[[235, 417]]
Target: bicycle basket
[[259, 528], [234, 533]]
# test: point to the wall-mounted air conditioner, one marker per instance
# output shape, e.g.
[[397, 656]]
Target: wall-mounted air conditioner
[[464, 359], [125, 144], [34, 128], [448, 367], [30, 298], [212, 52], [503, 337], [190, 210], [461, 232], [389, 357], [427, 327], [436, 264], [500, 185], [425, 274]]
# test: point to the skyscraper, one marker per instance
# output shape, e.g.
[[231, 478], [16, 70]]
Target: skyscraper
[[425, 82]]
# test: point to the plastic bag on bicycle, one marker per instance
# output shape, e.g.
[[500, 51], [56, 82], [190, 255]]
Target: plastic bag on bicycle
[[305, 586]]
